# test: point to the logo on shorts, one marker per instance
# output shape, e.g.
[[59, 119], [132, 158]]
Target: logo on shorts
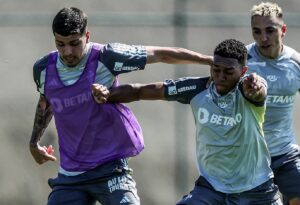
[[125, 200], [118, 183]]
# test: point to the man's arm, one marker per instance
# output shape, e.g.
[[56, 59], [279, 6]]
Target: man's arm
[[42, 119], [181, 90], [129, 92], [174, 55], [255, 88]]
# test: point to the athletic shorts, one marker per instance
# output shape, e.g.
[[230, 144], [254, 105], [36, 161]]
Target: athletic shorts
[[204, 194], [286, 170], [109, 184]]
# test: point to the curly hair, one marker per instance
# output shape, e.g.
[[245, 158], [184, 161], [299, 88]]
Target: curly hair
[[69, 21], [266, 9], [232, 48]]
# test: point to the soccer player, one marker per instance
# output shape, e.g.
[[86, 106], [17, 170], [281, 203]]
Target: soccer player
[[232, 154], [280, 66], [95, 140]]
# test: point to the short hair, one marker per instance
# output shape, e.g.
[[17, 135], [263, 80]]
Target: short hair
[[267, 9], [69, 21], [232, 48]]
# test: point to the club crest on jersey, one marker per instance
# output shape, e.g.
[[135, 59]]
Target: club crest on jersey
[[222, 104], [289, 75], [272, 78]]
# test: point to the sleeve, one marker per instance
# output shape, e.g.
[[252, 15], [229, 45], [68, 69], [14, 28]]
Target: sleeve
[[40, 66], [122, 58], [296, 57], [184, 89]]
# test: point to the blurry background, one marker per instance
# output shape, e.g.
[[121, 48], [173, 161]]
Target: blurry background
[[166, 169]]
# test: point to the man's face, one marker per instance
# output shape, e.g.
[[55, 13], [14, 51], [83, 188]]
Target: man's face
[[71, 48], [226, 73], [268, 32]]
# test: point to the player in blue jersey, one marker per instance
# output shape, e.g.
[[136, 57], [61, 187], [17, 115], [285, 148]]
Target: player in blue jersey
[[280, 66], [232, 154], [94, 140]]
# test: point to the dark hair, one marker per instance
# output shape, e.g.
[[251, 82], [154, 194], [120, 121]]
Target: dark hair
[[232, 48], [69, 21]]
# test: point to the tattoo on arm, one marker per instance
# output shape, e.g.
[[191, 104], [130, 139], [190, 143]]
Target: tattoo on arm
[[42, 119]]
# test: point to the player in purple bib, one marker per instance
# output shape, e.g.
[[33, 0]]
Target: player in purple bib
[[95, 140]]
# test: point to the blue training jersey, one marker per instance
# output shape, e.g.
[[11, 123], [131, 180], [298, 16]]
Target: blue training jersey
[[232, 154], [283, 77]]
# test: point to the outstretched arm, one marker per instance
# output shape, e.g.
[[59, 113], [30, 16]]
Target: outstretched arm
[[174, 55], [255, 88], [42, 118], [129, 92]]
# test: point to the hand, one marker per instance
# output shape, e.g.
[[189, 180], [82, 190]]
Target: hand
[[254, 87], [42, 154], [100, 93]]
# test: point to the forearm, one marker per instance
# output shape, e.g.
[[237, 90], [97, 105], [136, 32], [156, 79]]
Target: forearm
[[135, 92], [173, 55], [42, 119]]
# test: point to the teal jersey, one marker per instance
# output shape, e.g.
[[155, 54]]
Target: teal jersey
[[232, 154], [283, 77]]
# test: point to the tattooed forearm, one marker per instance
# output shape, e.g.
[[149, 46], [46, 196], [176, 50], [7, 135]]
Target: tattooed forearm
[[42, 118]]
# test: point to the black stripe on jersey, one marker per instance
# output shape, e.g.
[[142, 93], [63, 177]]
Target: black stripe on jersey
[[122, 58], [38, 67], [184, 89]]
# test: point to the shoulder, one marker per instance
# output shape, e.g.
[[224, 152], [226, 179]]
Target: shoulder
[[39, 66], [184, 89], [122, 58], [251, 50], [292, 54], [123, 49]]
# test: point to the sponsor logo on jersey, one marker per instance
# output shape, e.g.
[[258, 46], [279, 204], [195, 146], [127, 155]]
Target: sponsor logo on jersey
[[119, 67], [58, 105], [282, 65], [257, 63], [186, 88], [280, 99], [272, 78], [204, 117], [172, 90]]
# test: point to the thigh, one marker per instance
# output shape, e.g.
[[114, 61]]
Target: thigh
[[264, 194], [287, 174], [67, 196], [120, 189], [203, 194]]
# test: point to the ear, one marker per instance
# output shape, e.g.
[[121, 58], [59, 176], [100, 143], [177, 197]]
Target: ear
[[283, 30], [87, 35], [244, 70]]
